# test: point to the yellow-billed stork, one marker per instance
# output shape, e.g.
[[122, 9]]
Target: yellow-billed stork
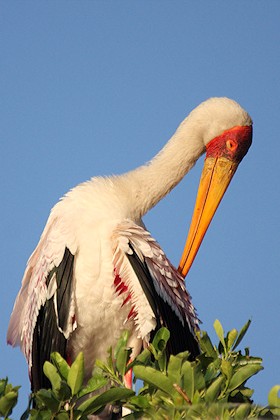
[[97, 271]]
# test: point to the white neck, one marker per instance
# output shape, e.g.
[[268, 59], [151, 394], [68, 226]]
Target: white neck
[[149, 183], [142, 188]]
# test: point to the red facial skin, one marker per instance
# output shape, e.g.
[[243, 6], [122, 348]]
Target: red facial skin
[[223, 155], [232, 144]]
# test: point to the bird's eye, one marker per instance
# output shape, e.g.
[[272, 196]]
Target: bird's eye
[[231, 145]]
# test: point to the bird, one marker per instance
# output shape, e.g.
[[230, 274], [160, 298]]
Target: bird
[[97, 271]]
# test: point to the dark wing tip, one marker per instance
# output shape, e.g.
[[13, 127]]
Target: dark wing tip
[[47, 338], [182, 337]]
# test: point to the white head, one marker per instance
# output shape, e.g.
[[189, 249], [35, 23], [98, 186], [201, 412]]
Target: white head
[[216, 115]]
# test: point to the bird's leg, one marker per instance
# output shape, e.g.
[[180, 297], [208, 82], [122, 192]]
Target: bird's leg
[[128, 377]]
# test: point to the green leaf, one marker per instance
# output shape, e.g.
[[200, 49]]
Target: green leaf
[[226, 368], [40, 415], [96, 382], [215, 389], [247, 392], [64, 393], [154, 378], [174, 368], [122, 360], [242, 411], [114, 394], [3, 384], [273, 397], [59, 386], [61, 364], [140, 401], [121, 343], [210, 373], [188, 379], [62, 416], [86, 407], [7, 402], [158, 347], [160, 339], [162, 361], [220, 333], [48, 399], [249, 360], [122, 353], [52, 374], [76, 374], [197, 399], [144, 357], [242, 333], [110, 396], [206, 345], [242, 375], [231, 337], [198, 377], [241, 395]]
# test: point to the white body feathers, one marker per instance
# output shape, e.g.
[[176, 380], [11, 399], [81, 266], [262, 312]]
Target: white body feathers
[[96, 221]]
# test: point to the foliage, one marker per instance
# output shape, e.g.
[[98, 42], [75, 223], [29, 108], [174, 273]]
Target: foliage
[[212, 386], [8, 398]]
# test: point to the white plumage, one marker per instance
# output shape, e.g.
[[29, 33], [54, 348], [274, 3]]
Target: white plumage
[[96, 235]]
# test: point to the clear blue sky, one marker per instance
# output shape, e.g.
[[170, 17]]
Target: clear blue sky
[[97, 87]]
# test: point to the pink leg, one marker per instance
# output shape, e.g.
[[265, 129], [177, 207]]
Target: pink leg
[[128, 376], [128, 379]]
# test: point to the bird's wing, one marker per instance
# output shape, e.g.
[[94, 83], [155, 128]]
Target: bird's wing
[[140, 263], [44, 312]]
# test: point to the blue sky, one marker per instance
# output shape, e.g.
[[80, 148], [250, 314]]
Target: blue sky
[[97, 87]]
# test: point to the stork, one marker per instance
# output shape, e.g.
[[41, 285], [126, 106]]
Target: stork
[[97, 271]]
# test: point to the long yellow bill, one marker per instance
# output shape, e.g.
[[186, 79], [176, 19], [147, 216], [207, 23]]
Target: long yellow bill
[[216, 176]]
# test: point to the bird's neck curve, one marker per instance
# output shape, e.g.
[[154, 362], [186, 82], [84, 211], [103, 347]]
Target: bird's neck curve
[[149, 183]]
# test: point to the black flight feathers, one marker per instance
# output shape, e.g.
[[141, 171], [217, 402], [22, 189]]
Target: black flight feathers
[[46, 337], [181, 337]]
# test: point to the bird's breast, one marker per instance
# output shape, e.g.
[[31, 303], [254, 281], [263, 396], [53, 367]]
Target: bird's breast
[[103, 305]]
